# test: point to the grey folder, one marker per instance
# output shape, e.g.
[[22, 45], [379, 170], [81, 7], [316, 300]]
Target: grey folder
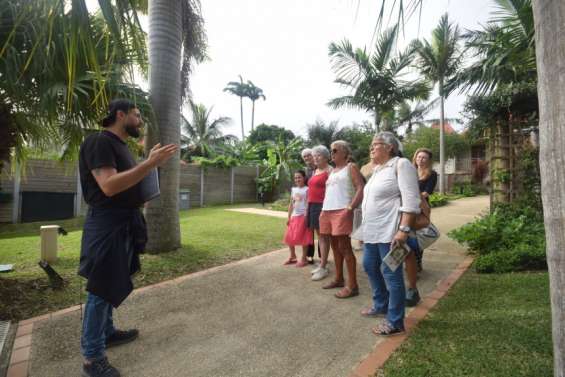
[[149, 186]]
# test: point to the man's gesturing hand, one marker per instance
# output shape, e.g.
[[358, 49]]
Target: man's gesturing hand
[[159, 155]]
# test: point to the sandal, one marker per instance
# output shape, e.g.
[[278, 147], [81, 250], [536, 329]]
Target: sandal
[[385, 329], [301, 264], [289, 261], [347, 292], [372, 312], [334, 284]]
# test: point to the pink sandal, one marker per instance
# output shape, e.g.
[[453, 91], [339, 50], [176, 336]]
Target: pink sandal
[[301, 264]]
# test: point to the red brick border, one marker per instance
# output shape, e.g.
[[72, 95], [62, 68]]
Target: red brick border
[[21, 350], [376, 359]]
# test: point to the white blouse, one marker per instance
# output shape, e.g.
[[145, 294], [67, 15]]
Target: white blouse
[[392, 189]]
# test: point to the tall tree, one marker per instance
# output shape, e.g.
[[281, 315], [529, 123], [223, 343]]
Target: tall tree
[[319, 133], [254, 93], [265, 132], [503, 50], [549, 18], [411, 116], [376, 80], [202, 136], [176, 39], [439, 62], [238, 89], [60, 65]]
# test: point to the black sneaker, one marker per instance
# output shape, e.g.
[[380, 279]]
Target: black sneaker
[[412, 297], [120, 337], [99, 368]]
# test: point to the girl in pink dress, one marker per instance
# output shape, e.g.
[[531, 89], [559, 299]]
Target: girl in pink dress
[[297, 232]]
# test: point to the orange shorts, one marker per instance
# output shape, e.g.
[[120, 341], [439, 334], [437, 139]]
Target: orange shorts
[[337, 222]]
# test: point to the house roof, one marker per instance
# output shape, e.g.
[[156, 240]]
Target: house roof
[[447, 128]]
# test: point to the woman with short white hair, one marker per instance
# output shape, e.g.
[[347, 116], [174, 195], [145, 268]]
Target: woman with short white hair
[[391, 202], [316, 195]]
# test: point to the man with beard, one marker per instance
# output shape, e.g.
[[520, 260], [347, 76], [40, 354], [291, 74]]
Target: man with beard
[[114, 229]]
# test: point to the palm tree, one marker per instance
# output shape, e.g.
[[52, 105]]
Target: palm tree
[[174, 27], [504, 50], [253, 93], [320, 134], [202, 136], [549, 16], [409, 116], [60, 65], [439, 62], [375, 80], [239, 89]]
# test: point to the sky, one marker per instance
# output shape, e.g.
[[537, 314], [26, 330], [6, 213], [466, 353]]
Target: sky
[[282, 47]]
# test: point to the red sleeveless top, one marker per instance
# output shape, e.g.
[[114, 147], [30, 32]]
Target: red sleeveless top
[[317, 188]]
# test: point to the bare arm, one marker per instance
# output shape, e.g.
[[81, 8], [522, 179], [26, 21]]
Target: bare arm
[[359, 184], [111, 182], [290, 208]]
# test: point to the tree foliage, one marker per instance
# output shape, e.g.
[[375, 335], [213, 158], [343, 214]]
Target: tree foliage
[[503, 51], [376, 81], [202, 135], [426, 137], [265, 132]]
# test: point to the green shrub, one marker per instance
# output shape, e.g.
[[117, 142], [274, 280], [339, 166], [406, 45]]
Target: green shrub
[[512, 238], [465, 189], [280, 204], [438, 200]]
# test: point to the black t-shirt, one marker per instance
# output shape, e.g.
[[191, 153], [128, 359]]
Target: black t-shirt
[[429, 184], [105, 149]]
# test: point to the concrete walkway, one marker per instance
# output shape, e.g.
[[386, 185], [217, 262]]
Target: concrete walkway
[[250, 318], [260, 211]]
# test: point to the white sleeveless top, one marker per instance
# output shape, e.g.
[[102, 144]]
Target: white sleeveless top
[[339, 190]]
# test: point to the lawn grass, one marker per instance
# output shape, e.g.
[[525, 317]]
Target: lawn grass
[[488, 325], [210, 237]]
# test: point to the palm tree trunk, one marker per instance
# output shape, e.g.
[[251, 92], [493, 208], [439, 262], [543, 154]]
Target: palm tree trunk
[[241, 113], [252, 115], [549, 17], [441, 143], [165, 30]]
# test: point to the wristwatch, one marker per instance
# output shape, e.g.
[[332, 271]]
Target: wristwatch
[[405, 228], [350, 208]]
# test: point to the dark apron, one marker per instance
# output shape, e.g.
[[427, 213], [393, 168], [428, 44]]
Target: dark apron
[[111, 242]]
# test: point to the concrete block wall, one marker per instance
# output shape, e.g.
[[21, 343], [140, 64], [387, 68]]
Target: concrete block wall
[[207, 186]]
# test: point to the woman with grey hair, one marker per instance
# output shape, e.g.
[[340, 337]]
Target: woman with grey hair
[[344, 192], [316, 195], [391, 202]]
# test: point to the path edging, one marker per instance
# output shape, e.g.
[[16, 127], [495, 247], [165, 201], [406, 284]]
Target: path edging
[[381, 353], [21, 349]]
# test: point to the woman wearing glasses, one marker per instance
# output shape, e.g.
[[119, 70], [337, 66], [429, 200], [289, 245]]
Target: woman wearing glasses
[[344, 192], [391, 202]]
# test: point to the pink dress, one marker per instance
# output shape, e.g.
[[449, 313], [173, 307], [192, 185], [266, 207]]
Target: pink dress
[[297, 232]]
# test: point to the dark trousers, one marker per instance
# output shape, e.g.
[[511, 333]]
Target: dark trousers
[[310, 251]]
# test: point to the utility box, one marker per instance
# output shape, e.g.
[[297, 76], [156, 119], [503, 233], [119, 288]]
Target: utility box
[[184, 199], [49, 245]]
